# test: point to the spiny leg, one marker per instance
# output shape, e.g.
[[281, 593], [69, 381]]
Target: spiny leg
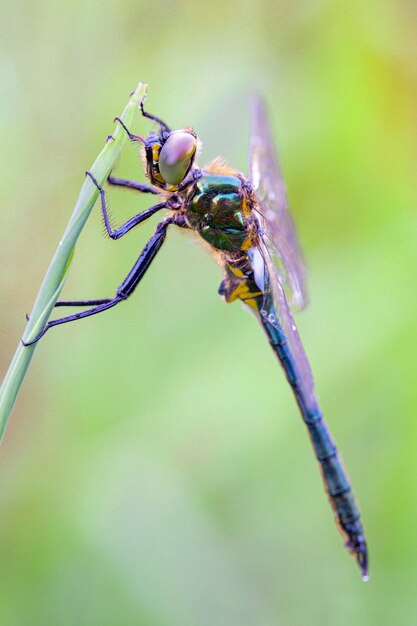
[[78, 303], [178, 220], [134, 221], [125, 289]]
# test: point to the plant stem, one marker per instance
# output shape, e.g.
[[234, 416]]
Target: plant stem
[[58, 269]]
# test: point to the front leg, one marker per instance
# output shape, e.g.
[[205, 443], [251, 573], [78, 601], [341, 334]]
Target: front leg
[[158, 120]]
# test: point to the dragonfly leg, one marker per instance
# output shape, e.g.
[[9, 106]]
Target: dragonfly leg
[[131, 184], [131, 136], [125, 289], [83, 302], [158, 120], [134, 221]]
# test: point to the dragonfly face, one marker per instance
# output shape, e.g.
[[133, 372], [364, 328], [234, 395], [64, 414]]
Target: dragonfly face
[[169, 157]]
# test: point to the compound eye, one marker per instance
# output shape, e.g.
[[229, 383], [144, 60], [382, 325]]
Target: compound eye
[[176, 156]]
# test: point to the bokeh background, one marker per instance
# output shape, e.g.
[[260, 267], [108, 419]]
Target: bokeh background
[[155, 470]]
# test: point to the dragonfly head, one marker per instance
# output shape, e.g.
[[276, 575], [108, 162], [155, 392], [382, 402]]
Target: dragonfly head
[[169, 157]]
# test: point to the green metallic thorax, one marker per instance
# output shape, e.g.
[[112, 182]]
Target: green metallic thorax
[[215, 210]]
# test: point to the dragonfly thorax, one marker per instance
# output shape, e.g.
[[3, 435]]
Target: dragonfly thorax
[[218, 209]]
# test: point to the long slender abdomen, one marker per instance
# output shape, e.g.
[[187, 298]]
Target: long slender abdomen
[[240, 283], [335, 478]]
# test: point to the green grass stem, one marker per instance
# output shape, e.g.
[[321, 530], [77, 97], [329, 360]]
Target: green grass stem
[[58, 269]]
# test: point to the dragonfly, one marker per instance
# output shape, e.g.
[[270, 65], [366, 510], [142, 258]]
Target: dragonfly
[[247, 225]]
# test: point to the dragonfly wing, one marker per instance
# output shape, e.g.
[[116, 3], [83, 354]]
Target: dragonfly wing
[[276, 311], [276, 222]]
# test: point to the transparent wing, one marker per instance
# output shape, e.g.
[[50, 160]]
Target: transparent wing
[[276, 311], [276, 222]]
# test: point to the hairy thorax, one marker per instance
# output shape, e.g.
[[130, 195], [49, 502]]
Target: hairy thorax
[[219, 208]]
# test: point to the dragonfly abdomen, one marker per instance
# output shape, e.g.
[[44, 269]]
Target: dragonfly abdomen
[[217, 211], [335, 479], [239, 283]]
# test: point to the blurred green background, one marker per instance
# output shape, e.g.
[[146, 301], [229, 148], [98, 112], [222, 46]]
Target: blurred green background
[[155, 470]]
